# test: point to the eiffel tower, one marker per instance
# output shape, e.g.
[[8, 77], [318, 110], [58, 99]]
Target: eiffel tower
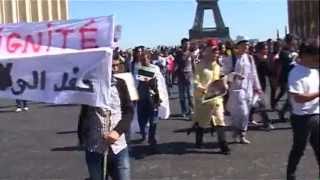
[[198, 31]]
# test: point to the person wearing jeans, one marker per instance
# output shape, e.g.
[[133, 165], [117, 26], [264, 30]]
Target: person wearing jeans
[[304, 99], [151, 117], [102, 131], [118, 165], [21, 105], [149, 98], [185, 59], [186, 94]]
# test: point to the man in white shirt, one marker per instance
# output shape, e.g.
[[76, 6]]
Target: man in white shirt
[[304, 99]]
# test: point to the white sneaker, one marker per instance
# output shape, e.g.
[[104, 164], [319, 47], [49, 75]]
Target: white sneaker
[[255, 123], [25, 108], [18, 110], [244, 140]]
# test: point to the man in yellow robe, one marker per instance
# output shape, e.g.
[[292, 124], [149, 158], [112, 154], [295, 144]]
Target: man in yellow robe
[[206, 72]]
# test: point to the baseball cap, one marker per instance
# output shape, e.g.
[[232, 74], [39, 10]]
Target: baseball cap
[[213, 43]]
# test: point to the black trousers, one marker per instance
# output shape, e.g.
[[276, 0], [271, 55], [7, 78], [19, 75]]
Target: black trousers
[[305, 128]]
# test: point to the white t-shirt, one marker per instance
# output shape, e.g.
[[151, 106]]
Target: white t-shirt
[[163, 61], [304, 80]]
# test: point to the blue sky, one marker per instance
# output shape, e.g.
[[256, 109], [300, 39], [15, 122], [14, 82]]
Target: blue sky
[[165, 22]]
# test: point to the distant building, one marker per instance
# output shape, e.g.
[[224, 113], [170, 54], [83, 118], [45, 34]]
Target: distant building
[[304, 18], [12, 11]]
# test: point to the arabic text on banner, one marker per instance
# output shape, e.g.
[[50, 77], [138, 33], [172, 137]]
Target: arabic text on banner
[[64, 78]]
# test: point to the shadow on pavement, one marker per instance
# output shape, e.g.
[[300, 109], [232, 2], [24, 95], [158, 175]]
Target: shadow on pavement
[[260, 128], [68, 148], [275, 121], [191, 130], [58, 105], [174, 117], [8, 106], [173, 148], [14, 106], [7, 111], [67, 132]]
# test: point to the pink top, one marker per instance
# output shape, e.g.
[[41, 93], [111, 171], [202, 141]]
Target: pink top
[[170, 63]]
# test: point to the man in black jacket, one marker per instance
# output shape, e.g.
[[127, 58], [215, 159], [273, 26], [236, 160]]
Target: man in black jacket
[[102, 131]]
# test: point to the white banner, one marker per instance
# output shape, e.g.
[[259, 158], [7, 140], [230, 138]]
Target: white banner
[[43, 37], [117, 33], [80, 77]]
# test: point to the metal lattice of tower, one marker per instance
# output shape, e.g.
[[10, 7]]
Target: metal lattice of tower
[[198, 31]]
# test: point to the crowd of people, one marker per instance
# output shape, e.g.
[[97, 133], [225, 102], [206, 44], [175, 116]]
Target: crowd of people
[[214, 79]]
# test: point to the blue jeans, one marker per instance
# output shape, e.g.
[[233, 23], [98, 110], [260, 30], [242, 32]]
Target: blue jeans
[[118, 165], [186, 96], [146, 115], [21, 103]]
